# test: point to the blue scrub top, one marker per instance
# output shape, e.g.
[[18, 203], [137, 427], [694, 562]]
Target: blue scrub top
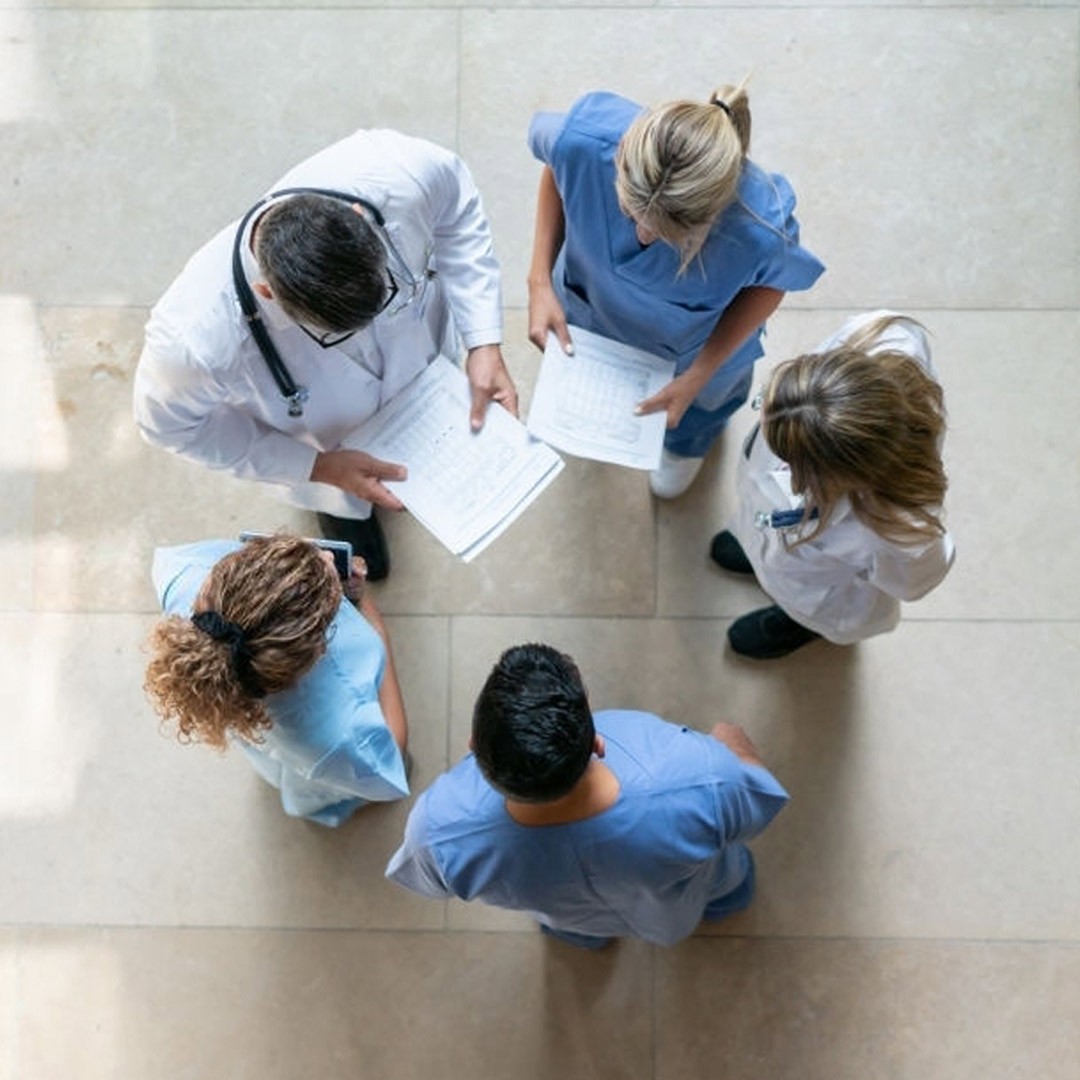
[[329, 749], [612, 285], [649, 866]]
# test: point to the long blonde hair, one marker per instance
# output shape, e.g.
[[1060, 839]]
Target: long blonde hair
[[281, 595], [864, 422], [677, 167]]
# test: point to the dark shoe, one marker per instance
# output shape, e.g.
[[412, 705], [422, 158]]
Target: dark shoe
[[768, 633], [727, 552], [366, 538]]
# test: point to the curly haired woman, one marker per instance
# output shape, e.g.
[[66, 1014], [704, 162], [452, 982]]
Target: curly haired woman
[[264, 646]]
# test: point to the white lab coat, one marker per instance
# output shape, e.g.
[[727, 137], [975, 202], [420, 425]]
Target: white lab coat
[[202, 388], [846, 583]]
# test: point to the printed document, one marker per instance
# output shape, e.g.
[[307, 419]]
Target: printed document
[[466, 487], [584, 403]]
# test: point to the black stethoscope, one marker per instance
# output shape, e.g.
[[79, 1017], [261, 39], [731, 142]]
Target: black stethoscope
[[294, 394]]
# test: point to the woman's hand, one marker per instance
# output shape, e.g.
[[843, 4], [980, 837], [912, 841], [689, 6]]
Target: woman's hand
[[490, 381], [675, 398], [353, 588], [356, 590], [546, 315], [366, 604]]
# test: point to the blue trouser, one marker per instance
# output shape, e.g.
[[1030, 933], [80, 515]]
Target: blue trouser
[[738, 898]]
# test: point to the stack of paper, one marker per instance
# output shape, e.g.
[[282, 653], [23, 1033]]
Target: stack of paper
[[466, 487], [584, 403]]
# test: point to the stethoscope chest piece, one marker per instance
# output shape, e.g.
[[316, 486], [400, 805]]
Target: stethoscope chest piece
[[297, 400]]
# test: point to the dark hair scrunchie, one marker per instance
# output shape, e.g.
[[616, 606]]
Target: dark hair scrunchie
[[723, 105], [220, 629]]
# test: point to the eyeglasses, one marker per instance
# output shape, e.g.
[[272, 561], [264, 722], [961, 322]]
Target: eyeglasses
[[331, 338]]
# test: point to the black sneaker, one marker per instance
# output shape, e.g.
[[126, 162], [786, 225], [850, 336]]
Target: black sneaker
[[366, 538], [727, 552], [768, 633]]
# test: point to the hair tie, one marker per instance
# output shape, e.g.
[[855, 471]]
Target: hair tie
[[220, 629], [724, 105]]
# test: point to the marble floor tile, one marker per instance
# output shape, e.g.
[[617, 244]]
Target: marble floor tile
[[929, 799], [853, 1009], [104, 498], [922, 86], [586, 546], [9, 1004], [369, 5], [341, 1006], [20, 358], [105, 819], [871, 4], [179, 120], [1011, 384], [461, 915]]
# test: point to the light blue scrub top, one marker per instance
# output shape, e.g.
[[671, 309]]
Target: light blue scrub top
[[329, 750], [612, 285], [648, 866]]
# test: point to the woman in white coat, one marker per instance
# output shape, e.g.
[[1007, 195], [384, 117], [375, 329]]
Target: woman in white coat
[[840, 490]]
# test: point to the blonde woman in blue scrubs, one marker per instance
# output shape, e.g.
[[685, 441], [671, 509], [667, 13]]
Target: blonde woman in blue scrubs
[[655, 229]]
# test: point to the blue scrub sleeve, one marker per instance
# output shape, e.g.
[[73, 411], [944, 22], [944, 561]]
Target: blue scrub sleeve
[[178, 572], [784, 264], [543, 131], [413, 865], [747, 799]]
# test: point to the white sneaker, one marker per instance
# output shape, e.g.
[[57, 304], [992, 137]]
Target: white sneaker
[[675, 475]]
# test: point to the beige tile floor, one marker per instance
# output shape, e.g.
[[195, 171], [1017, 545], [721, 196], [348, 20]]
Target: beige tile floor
[[919, 905]]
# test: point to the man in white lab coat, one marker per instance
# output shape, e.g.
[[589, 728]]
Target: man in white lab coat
[[356, 296]]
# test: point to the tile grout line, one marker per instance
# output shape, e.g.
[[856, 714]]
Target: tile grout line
[[16, 1016], [787, 939], [950, 620], [567, 7]]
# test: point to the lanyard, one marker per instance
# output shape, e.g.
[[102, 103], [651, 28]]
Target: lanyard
[[295, 395], [784, 519]]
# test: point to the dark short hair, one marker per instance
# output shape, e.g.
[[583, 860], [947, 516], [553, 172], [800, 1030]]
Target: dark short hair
[[532, 729], [323, 262]]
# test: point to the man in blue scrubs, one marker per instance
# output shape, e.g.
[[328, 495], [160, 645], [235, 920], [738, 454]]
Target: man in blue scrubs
[[598, 826]]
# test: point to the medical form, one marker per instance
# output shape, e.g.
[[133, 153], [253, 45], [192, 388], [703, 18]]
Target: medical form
[[584, 403], [464, 486]]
